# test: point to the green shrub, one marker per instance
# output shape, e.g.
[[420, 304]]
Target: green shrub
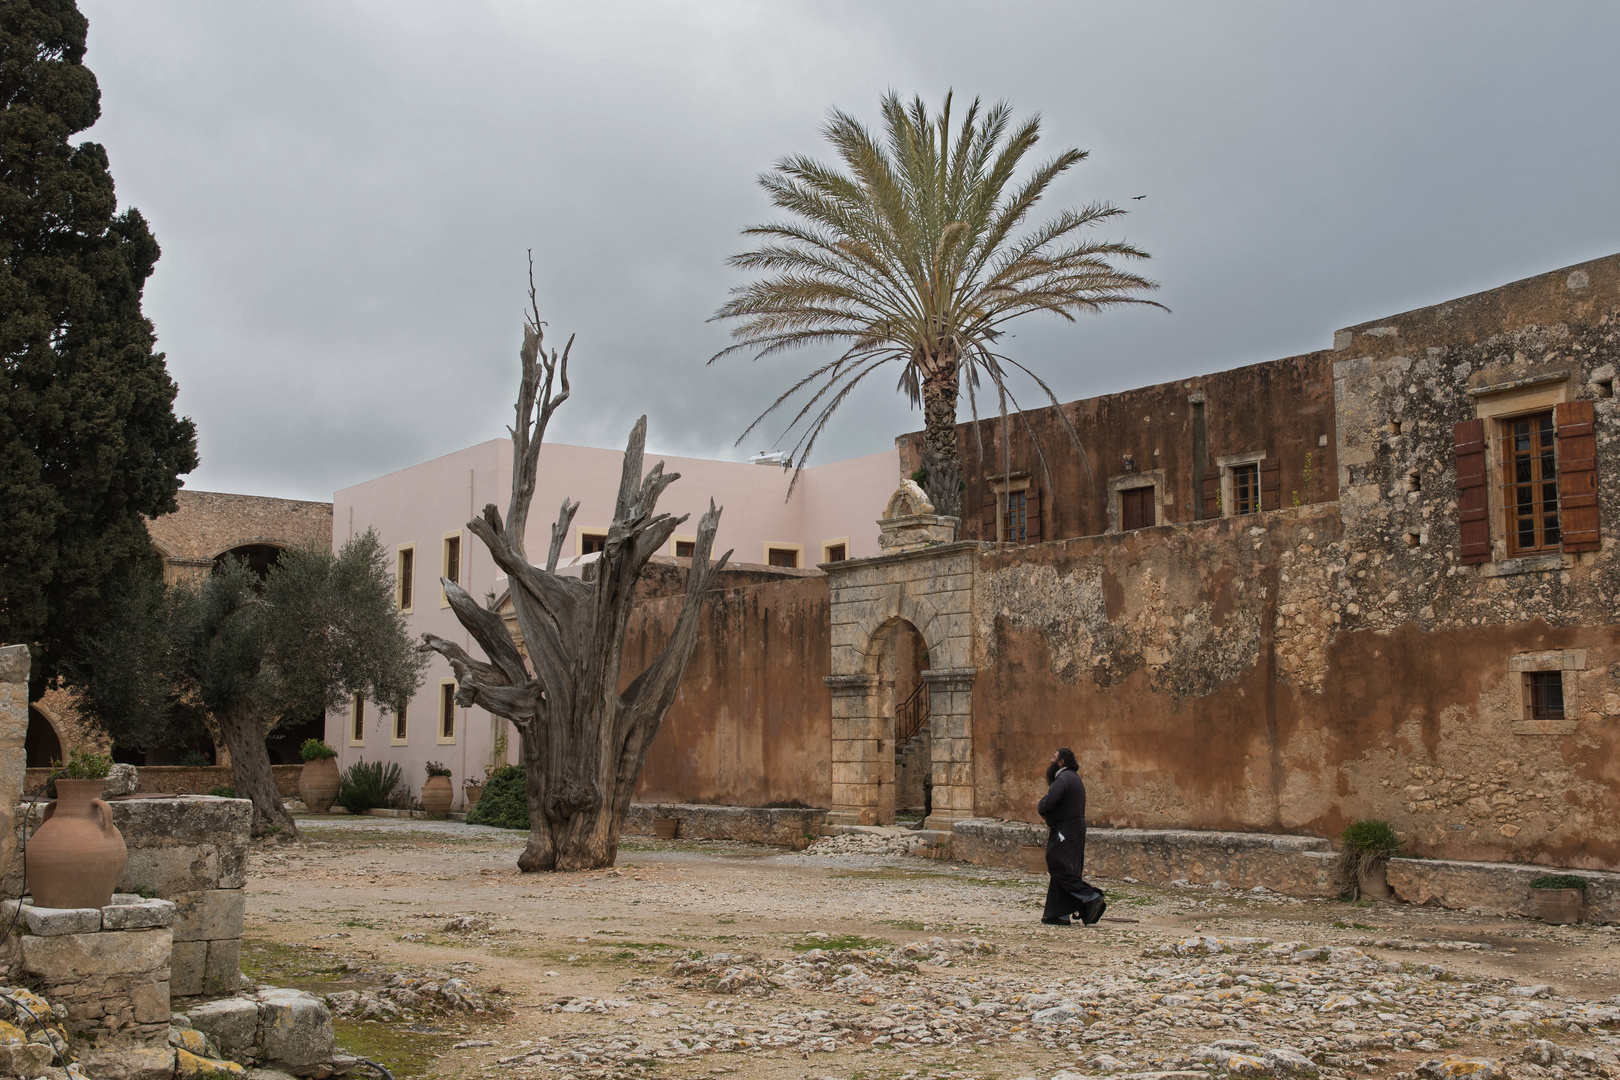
[[1559, 881], [84, 765], [438, 768], [316, 750], [505, 801], [225, 791], [1363, 846], [195, 759], [367, 785]]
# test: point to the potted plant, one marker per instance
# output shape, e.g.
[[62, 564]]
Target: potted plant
[[75, 857], [664, 826], [1365, 848], [437, 794], [470, 791], [318, 781], [1559, 896]]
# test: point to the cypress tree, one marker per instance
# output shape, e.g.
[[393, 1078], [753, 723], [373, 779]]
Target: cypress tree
[[89, 441]]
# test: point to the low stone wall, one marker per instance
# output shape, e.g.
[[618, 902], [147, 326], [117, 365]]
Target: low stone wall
[[14, 663], [191, 850], [109, 966], [781, 827], [1497, 888], [182, 779], [1293, 865]]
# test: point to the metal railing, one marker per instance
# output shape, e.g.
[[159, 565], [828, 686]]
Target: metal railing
[[912, 716]]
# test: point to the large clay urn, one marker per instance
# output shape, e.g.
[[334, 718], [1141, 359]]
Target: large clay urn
[[318, 784], [437, 795], [75, 857]]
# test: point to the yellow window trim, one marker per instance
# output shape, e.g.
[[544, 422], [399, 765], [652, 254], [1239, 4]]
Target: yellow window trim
[[680, 538], [348, 722], [438, 717], [580, 532], [782, 545], [444, 563], [827, 544]]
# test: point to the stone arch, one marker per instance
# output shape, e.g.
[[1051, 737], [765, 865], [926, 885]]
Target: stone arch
[[260, 553], [46, 741], [931, 589]]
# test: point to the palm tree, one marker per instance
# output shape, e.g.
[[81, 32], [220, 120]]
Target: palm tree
[[916, 256]]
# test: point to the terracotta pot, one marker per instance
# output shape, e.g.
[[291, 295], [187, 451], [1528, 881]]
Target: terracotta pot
[[1559, 905], [1373, 883], [665, 827], [1033, 857], [437, 795], [318, 784], [470, 792], [76, 856]]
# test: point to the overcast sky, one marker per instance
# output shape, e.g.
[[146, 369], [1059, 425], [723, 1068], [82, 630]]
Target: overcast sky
[[344, 192]]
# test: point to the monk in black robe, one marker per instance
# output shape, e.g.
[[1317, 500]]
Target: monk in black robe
[[1064, 808]]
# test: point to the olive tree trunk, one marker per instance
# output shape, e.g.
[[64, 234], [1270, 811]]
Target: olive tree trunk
[[251, 774], [583, 741]]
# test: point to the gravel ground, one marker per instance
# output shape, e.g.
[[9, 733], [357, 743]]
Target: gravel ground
[[852, 961]]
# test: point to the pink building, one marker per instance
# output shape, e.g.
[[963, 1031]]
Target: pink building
[[420, 514]]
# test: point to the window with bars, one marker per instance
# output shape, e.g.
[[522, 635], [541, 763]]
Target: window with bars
[[357, 720], [1246, 488], [1529, 485], [1544, 695], [1015, 519], [399, 723]]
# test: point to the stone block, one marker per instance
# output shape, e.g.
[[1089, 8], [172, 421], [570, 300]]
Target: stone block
[[186, 966], [222, 972], [130, 1063], [26, 1059], [14, 664], [151, 1002], [190, 1066], [295, 1029], [72, 957], [233, 1023], [208, 915], [146, 913], [184, 844], [854, 772], [54, 922]]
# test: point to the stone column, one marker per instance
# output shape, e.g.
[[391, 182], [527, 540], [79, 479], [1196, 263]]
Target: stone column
[[950, 738], [857, 741], [13, 733]]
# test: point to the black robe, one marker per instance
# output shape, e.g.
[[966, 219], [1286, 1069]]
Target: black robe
[[1064, 808]]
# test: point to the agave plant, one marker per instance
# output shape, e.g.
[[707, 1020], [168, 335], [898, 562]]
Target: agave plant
[[917, 256]]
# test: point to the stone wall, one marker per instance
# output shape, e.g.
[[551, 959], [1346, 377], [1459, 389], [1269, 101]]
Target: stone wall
[[207, 524], [750, 723], [14, 661], [191, 851], [183, 779]]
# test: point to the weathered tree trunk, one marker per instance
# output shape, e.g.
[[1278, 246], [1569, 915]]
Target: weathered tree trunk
[[941, 456], [250, 770], [583, 742]]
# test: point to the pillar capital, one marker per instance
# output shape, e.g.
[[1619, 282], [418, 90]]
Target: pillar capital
[[850, 684], [951, 678]]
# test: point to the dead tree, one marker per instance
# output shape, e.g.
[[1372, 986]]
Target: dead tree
[[583, 740]]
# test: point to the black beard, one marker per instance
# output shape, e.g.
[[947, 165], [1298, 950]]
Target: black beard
[[1052, 771]]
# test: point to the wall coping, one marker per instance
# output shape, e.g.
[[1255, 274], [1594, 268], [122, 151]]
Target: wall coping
[[960, 547]]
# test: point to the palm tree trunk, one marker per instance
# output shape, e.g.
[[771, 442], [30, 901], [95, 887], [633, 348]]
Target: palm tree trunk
[[941, 456], [250, 770]]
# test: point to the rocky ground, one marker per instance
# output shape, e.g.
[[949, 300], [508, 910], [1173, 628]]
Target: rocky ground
[[854, 961]]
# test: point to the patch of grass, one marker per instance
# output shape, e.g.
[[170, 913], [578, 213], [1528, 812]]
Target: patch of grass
[[907, 924], [357, 924], [407, 1054], [841, 941]]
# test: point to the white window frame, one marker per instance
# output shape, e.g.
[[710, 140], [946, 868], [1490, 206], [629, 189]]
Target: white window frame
[[1228, 488]]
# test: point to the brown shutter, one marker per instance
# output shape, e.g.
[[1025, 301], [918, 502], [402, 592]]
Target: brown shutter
[[987, 521], [1212, 493], [1577, 475], [1473, 516], [1270, 485], [1032, 515]]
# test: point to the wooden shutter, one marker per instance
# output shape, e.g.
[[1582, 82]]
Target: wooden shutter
[[987, 521], [1577, 475], [1032, 515], [1212, 493], [1473, 515], [1270, 485]]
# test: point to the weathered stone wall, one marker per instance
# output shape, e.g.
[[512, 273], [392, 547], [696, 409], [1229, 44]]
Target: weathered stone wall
[[208, 523], [781, 827], [1297, 669], [14, 662], [750, 724], [183, 779]]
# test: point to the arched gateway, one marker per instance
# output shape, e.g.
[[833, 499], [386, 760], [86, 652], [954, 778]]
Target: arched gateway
[[926, 580]]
